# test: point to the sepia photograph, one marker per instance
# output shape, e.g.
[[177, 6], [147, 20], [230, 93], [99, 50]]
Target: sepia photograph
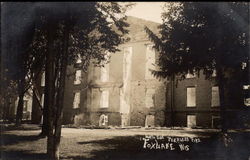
[[125, 81]]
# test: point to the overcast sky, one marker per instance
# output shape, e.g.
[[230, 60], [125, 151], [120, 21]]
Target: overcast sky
[[147, 10]]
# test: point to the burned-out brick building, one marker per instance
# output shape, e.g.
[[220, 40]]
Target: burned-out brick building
[[194, 102], [125, 93]]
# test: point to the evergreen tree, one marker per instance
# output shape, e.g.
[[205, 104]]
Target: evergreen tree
[[202, 37]]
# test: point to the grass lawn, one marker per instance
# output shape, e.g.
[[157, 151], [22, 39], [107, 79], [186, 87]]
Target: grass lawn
[[123, 144]]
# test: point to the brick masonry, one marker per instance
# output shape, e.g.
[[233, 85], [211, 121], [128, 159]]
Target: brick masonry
[[89, 111]]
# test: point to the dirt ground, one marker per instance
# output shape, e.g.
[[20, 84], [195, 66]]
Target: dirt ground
[[124, 144]]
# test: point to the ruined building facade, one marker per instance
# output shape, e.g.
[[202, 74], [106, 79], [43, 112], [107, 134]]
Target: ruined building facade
[[125, 93]]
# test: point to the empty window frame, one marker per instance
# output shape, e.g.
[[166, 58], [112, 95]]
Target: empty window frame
[[105, 73], [150, 61], [189, 75], [215, 99], [216, 122], [76, 102], [191, 97], [150, 121], [43, 79], [78, 77], [104, 101], [214, 73], [127, 58], [191, 121], [78, 59], [25, 105], [103, 120]]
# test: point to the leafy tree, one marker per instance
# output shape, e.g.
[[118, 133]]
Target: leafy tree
[[198, 36], [87, 30], [55, 35], [22, 57]]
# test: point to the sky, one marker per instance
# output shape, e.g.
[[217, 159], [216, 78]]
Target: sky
[[147, 10]]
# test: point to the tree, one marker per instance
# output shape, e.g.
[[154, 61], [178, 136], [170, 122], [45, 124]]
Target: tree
[[87, 30], [22, 55], [204, 37], [31, 64], [62, 32]]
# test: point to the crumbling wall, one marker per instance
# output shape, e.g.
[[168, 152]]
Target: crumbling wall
[[139, 110], [70, 113]]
